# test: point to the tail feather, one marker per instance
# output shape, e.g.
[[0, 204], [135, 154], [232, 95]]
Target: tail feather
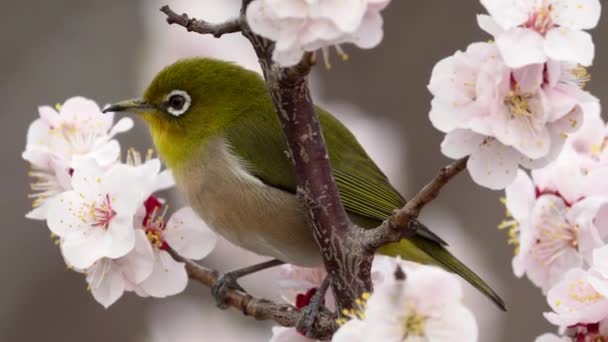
[[424, 231], [422, 250]]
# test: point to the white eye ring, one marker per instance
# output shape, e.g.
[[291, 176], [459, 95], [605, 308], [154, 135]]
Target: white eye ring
[[185, 104]]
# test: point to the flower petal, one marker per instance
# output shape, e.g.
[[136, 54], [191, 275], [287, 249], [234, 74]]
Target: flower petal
[[188, 235], [570, 45], [521, 195], [168, 278], [493, 165], [577, 14], [459, 143], [106, 282], [521, 47]]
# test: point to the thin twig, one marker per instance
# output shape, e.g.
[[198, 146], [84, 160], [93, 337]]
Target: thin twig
[[259, 308], [201, 26], [403, 221]]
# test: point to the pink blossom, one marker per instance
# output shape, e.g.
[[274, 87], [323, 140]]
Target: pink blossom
[[530, 32], [503, 117]]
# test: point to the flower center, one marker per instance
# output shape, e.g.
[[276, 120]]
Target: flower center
[[580, 76], [81, 137], [414, 325], [155, 238], [540, 20], [101, 213], [552, 242], [583, 293], [155, 225], [555, 236], [518, 104]]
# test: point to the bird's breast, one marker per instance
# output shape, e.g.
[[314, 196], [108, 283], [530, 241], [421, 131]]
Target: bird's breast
[[243, 209]]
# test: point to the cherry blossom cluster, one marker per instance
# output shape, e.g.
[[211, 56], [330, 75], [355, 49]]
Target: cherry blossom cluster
[[513, 102], [299, 26], [558, 223], [104, 214], [410, 302]]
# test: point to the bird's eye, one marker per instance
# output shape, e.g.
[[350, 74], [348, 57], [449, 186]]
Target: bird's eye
[[178, 102]]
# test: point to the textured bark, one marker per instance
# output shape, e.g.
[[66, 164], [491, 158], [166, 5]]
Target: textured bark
[[260, 309], [348, 265]]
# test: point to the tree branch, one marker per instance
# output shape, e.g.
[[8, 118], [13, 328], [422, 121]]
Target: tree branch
[[260, 309], [201, 26], [403, 221], [346, 261]]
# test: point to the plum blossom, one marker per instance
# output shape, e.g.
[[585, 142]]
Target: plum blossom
[[555, 227], [533, 31], [425, 305], [60, 139], [185, 233], [574, 300], [299, 26], [580, 300], [109, 278], [503, 117], [95, 219], [299, 284]]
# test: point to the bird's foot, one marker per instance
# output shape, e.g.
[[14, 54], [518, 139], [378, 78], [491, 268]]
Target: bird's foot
[[306, 322], [225, 282]]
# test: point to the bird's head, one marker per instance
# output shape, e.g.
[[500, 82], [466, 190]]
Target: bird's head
[[190, 101]]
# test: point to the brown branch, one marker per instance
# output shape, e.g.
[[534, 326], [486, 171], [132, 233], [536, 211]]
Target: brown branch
[[403, 221], [346, 261], [258, 308], [201, 26]]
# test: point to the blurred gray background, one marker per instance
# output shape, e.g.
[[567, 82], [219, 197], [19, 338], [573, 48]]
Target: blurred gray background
[[107, 50]]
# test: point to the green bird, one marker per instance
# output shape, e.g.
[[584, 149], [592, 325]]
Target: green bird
[[214, 125]]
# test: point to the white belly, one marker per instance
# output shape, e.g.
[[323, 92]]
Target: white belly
[[244, 210]]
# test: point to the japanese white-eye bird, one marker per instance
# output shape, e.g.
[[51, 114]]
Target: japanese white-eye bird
[[214, 125]]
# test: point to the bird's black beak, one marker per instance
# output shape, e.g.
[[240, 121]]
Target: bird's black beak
[[132, 105]]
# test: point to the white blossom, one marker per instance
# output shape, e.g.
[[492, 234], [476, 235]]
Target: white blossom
[[95, 219], [298, 26], [60, 139], [533, 31], [503, 117], [425, 306]]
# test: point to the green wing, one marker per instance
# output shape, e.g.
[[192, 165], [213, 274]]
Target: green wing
[[367, 195]]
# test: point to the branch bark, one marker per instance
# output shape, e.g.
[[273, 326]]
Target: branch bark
[[260, 309], [346, 262], [201, 26], [403, 221]]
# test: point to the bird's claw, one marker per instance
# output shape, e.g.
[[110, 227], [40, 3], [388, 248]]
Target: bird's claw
[[306, 322], [225, 282]]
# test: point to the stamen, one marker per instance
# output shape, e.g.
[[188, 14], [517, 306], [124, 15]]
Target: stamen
[[102, 213], [541, 20], [518, 104], [341, 53], [325, 53], [512, 225], [581, 76], [414, 324]]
